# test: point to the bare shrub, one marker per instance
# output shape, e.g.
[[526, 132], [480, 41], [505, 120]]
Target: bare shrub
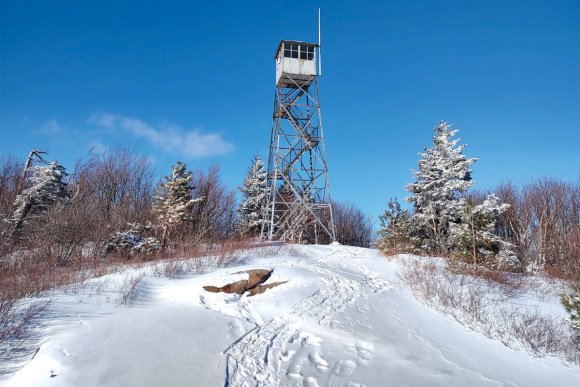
[[119, 180], [181, 259], [270, 249], [214, 218], [352, 226], [480, 300], [233, 252], [543, 222], [109, 190], [172, 268], [293, 251], [185, 259], [128, 293], [21, 325], [17, 317], [267, 248], [508, 284], [11, 169], [64, 247]]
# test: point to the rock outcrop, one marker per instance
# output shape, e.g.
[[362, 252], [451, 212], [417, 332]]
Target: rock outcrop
[[252, 285]]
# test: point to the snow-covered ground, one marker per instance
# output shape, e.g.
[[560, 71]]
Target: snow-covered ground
[[340, 321]]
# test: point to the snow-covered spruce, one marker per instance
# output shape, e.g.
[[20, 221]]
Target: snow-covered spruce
[[474, 237], [254, 193], [571, 302], [48, 188], [173, 199], [443, 173], [133, 240]]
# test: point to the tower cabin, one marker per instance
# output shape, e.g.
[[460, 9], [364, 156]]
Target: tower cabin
[[295, 64]]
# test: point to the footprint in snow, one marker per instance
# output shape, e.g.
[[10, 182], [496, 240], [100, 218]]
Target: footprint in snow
[[287, 355], [318, 362], [341, 369], [362, 306], [309, 381], [337, 324], [364, 350], [364, 323]]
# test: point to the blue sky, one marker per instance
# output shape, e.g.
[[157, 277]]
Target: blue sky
[[194, 81]]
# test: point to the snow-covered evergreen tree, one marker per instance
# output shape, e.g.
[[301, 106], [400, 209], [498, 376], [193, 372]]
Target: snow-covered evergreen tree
[[443, 173], [48, 188], [254, 193], [133, 240], [507, 259], [474, 237], [571, 302], [173, 199], [395, 233]]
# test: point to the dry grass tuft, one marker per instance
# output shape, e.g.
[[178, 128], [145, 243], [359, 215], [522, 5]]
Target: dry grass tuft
[[484, 301], [128, 292]]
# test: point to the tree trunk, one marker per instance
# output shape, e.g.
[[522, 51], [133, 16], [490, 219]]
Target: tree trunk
[[163, 236], [34, 152], [473, 234]]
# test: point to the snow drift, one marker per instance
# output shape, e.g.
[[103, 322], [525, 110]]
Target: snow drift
[[339, 320]]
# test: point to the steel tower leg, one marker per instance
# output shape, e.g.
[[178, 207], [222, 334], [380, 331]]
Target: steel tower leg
[[298, 206]]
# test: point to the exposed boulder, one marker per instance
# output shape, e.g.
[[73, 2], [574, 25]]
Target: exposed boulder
[[262, 288], [252, 284]]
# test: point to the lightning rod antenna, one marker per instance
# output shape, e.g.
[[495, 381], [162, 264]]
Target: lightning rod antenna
[[319, 48]]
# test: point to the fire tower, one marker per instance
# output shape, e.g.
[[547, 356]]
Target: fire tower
[[299, 199]]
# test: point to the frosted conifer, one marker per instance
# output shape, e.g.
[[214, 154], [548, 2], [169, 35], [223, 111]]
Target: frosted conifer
[[48, 188], [443, 173], [571, 302], [133, 240], [173, 199], [254, 191]]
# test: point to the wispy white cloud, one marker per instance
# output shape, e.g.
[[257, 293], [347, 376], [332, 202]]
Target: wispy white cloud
[[106, 120], [51, 127], [171, 138]]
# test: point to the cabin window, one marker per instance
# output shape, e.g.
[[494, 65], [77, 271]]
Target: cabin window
[[306, 52], [291, 50]]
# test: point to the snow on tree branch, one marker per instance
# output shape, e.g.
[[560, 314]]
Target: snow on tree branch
[[48, 188], [173, 198], [443, 173]]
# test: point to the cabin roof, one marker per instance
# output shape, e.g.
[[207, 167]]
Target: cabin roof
[[292, 41]]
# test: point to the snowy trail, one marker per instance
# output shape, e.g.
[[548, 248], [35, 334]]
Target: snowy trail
[[256, 359], [335, 322]]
